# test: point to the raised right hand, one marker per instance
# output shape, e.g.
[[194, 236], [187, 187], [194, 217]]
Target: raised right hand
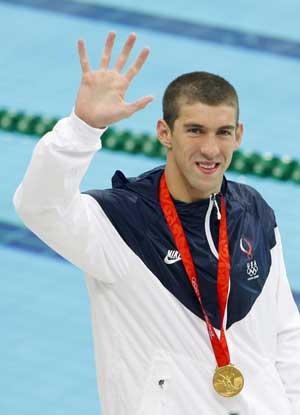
[[100, 100]]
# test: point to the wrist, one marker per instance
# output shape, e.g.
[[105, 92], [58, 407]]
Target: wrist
[[84, 125]]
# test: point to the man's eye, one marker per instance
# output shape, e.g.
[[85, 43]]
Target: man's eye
[[194, 130], [225, 132]]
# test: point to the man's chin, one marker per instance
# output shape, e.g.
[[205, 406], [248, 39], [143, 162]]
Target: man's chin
[[207, 186]]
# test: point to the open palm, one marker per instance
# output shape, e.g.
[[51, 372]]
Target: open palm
[[101, 96]]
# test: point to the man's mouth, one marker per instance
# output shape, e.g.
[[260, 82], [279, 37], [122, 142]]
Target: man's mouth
[[207, 167]]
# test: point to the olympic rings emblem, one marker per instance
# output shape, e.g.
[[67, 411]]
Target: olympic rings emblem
[[252, 268]]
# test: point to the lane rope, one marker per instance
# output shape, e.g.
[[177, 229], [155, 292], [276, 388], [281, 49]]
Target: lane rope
[[282, 168]]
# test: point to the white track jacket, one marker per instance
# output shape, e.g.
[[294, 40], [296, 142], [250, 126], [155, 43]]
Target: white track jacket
[[153, 353]]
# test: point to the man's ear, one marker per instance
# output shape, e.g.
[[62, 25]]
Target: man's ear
[[164, 134], [239, 135]]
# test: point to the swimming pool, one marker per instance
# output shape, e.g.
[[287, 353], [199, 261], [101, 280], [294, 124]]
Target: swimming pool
[[46, 345]]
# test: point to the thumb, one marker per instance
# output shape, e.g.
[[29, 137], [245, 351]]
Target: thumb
[[139, 104]]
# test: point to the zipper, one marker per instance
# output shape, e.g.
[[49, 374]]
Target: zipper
[[214, 199], [213, 203]]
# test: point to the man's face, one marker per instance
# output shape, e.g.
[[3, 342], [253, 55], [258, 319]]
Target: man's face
[[200, 148]]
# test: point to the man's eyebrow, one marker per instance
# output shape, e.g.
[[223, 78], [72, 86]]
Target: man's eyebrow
[[227, 127], [194, 124]]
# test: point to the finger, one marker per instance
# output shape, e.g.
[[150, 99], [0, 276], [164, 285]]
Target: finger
[[139, 104], [135, 68], [105, 59], [125, 52], [83, 57]]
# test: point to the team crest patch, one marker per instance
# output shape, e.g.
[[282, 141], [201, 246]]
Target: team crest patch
[[252, 270], [252, 267]]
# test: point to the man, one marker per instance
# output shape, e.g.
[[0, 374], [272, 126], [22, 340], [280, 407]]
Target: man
[[192, 310]]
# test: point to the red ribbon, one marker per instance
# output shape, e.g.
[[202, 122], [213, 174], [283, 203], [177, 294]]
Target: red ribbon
[[219, 345]]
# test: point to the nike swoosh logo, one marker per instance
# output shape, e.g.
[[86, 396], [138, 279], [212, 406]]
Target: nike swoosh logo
[[170, 261]]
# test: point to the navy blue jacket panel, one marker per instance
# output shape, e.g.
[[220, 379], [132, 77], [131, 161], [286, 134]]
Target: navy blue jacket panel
[[132, 205]]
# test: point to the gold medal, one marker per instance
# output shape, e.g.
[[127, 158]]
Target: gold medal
[[228, 381]]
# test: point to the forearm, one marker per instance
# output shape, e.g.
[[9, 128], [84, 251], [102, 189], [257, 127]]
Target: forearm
[[58, 164], [50, 203], [49, 200]]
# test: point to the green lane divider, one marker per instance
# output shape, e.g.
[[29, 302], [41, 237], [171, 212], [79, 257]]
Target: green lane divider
[[261, 165]]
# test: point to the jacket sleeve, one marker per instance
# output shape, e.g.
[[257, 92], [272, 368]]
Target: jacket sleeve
[[49, 201], [288, 335]]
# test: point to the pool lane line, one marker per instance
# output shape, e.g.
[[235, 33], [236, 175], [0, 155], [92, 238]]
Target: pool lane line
[[168, 25], [20, 238]]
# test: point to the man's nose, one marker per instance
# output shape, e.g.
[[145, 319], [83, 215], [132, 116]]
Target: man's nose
[[209, 146]]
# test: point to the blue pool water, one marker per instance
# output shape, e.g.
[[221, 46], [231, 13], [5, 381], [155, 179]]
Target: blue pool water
[[46, 347]]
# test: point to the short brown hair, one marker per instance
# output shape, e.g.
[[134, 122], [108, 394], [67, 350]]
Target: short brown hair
[[192, 87]]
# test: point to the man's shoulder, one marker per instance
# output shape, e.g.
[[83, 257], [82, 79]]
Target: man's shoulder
[[130, 199], [130, 189], [250, 199]]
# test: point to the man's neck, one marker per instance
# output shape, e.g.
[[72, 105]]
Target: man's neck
[[181, 190]]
